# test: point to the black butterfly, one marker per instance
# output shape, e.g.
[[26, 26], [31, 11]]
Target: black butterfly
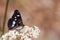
[[15, 21]]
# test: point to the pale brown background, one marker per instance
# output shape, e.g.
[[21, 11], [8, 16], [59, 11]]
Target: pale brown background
[[43, 13]]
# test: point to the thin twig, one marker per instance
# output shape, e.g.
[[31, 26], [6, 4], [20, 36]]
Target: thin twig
[[5, 15]]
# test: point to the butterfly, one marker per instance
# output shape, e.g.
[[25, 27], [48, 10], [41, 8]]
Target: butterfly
[[15, 21]]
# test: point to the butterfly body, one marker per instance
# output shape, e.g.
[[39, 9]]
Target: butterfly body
[[15, 21]]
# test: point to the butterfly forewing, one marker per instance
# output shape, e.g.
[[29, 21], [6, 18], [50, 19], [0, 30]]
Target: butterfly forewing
[[15, 20]]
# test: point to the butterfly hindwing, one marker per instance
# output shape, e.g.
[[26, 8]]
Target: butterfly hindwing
[[15, 21]]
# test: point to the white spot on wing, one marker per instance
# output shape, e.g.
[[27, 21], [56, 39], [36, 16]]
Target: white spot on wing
[[14, 17], [13, 25], [13, 22], [17, 15]]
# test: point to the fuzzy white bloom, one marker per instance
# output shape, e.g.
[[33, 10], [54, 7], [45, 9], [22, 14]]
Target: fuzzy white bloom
[[26, 33]]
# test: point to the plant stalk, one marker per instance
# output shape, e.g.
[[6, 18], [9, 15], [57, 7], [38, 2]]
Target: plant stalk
[[5, 15]]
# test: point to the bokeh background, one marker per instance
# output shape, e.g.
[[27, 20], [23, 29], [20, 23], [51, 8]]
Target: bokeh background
[[43, 13]]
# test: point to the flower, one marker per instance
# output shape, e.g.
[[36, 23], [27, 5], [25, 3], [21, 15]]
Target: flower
[[26, 33]]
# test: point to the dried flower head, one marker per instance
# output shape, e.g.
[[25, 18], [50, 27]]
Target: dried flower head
[[26, 33]]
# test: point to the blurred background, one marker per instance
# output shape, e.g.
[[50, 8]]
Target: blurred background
[[43, 13]]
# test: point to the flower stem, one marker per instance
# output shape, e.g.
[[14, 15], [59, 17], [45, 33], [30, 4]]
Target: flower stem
[[5, 15]]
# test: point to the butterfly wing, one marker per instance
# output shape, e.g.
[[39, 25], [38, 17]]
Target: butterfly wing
[[15, 21]]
